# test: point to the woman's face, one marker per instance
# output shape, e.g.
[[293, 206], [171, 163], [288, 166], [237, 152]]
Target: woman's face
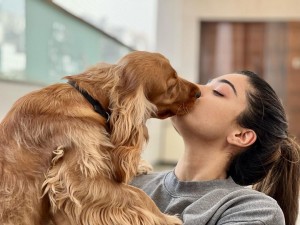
[[215, 112]]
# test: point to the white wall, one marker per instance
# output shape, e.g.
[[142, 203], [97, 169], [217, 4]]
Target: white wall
[[10, 92]]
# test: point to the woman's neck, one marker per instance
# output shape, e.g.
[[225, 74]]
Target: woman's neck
[[202, 163]]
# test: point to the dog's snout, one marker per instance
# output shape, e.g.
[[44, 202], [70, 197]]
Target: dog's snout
[[197, 93]]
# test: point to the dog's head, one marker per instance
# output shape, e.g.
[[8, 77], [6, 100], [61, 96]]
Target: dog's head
[[160, 83]]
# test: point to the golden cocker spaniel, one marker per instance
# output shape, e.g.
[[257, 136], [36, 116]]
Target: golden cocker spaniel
[[69, 150]]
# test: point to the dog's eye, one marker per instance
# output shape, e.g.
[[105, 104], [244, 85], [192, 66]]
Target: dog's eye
[[171, 82], [170, 88], [171, 85]]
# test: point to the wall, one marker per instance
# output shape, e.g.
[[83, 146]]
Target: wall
[[10, 92]]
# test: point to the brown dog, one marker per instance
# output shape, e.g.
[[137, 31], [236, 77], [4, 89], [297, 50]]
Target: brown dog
[[68, 151]]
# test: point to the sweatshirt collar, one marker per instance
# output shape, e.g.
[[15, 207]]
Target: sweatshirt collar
[[179, 188]]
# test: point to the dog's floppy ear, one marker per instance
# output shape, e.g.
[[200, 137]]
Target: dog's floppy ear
[[128, 83], [129, 105], [130, 110]]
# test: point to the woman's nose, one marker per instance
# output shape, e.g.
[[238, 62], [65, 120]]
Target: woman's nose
[[203, 89]]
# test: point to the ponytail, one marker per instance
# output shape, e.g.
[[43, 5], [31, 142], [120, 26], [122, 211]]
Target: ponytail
[[282, 180], [271, 164]]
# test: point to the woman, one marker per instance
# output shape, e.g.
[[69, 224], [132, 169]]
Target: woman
[[235, 136]]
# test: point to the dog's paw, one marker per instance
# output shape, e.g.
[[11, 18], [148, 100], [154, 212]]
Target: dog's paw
[[144, 167], [173, 220]]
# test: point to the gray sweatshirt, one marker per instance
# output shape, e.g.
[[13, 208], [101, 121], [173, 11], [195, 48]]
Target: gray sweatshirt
[[216, 202]]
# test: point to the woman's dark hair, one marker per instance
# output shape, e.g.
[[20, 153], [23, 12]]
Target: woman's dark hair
[[271, 164]]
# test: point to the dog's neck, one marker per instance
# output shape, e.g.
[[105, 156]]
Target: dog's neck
[[95, 103]]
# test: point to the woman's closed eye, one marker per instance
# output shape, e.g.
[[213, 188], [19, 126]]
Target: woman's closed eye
[[218, 93]]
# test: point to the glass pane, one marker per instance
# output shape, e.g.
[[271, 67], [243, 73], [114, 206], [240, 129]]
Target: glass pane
[[12, 39], [53, 44]]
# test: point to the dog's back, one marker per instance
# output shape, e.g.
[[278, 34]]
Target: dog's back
[[34, 127], [24, 158]]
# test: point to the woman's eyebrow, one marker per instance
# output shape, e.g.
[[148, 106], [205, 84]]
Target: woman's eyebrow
[[229, 83]]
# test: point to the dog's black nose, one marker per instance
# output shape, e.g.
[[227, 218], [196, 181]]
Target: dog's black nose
[[198, 94]]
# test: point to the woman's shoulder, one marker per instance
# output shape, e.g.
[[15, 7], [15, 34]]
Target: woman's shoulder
[[237, 204], [248, 198], [246, 204]]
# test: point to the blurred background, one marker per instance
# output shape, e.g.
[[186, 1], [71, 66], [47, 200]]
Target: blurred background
[[43, 40]]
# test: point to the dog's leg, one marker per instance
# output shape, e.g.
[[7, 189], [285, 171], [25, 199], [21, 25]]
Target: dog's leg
[[142, 199], [144, 167], [101, 201]]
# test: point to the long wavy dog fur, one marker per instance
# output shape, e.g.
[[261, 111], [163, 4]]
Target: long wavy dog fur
[[62, 163]]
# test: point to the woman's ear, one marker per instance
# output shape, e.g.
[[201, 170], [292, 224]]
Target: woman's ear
[[242, 137]]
